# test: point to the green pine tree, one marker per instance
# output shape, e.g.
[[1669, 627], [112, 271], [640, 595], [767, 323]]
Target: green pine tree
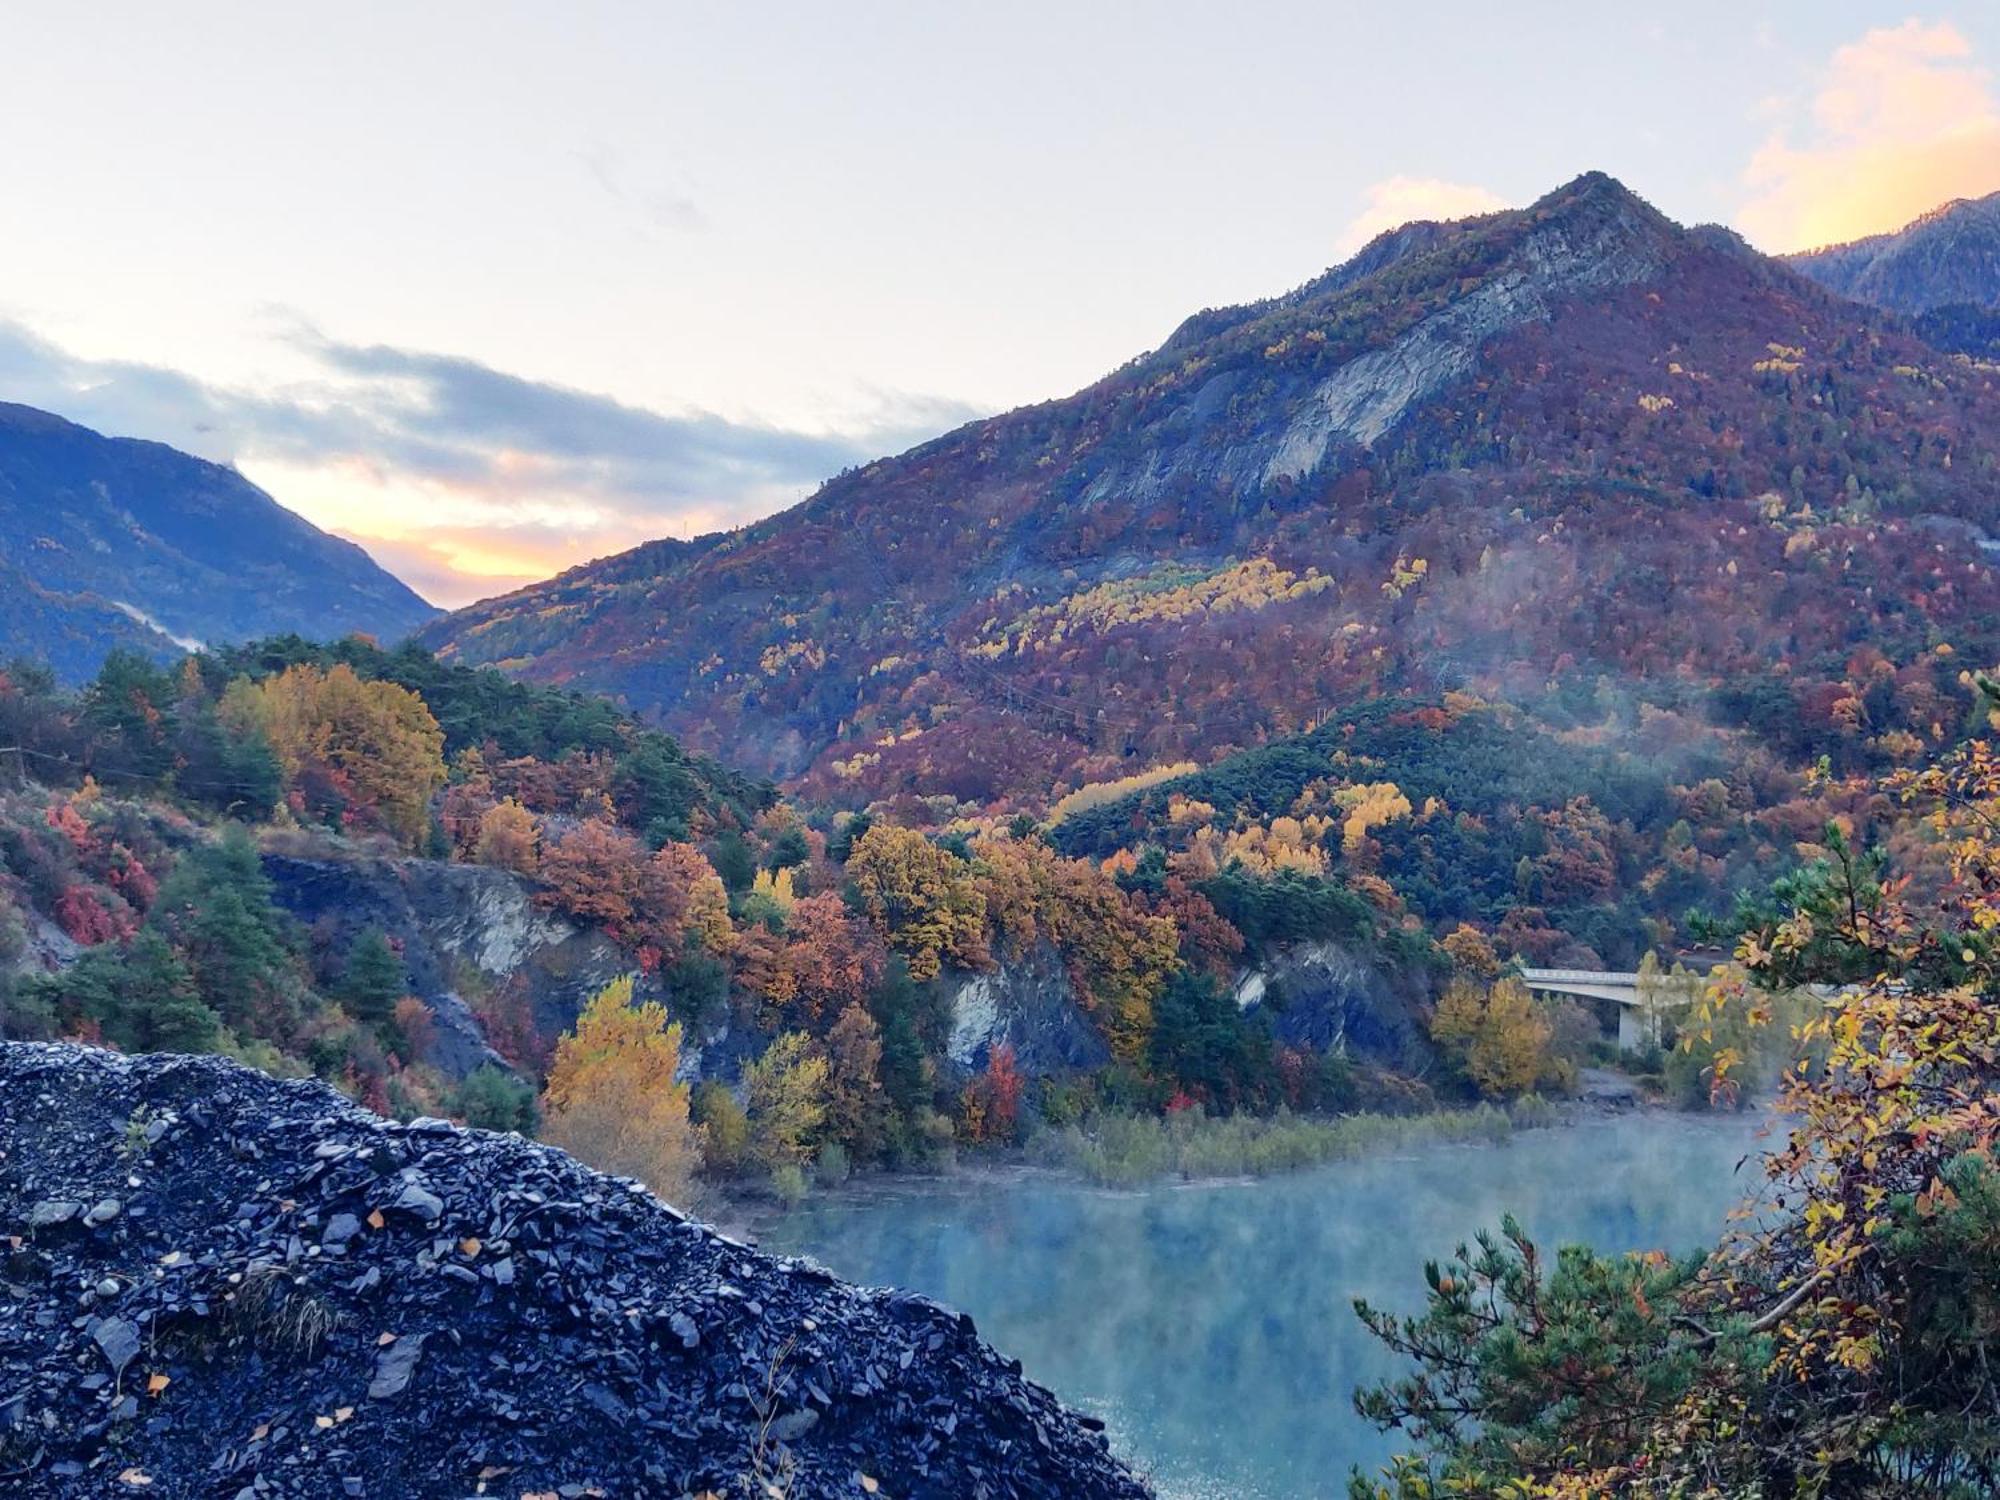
[[373, 981]]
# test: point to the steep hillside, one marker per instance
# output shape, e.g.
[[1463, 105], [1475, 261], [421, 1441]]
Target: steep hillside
[[1950, 256], [113, 542], [1572, 457]]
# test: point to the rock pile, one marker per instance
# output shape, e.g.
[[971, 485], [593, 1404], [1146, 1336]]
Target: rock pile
[[218, 1284]]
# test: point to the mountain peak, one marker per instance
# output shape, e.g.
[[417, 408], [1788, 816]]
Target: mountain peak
[[1594, 186], [985, 607]]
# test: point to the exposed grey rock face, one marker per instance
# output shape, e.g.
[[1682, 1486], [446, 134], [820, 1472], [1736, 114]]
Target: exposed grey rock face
[[1030, 1005], [1322, 996], [1563, 259], [489, 1317], [1318, 995], [461, 929], [1604, 237]]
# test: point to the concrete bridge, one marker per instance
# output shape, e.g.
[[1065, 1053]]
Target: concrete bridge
[[1642, 999]]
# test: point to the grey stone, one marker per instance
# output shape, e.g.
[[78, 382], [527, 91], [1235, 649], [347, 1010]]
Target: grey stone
[[395, 1366], [118, 1341], [417, 1199]]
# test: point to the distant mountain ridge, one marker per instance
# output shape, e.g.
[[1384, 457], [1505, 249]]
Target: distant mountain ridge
[[1525, 455], [1948, 257], [108, 542]]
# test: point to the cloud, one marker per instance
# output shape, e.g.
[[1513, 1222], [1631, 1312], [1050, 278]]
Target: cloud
[[465, 479], [1898, 122], [1396, 201], [664, 208]]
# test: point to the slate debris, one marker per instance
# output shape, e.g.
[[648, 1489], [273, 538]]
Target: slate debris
[[297, 1299]]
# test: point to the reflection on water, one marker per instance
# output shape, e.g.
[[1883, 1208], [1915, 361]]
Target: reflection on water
[[1211, 1326]]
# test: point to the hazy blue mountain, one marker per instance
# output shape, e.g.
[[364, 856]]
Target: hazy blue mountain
[[1942, 271], [115, 542]]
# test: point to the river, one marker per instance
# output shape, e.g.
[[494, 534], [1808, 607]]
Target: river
[[1210, 1325]]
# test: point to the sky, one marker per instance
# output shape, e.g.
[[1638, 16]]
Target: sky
[[497, 288]]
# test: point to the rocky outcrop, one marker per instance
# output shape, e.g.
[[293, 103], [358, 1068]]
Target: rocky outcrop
[[1328, 998], [1318, 995], [466, 932], [1029, 1005], [222, 1284], [470, 933]]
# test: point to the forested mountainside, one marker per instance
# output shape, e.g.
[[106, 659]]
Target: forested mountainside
[[1573, 458], [110, 542]]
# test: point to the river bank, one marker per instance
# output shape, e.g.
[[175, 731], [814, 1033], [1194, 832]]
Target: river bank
[[1130, 1150]]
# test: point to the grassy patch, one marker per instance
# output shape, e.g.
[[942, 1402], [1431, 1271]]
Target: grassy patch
[[1127, 1150]]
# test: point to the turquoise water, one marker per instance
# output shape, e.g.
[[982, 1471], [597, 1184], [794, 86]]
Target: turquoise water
[[1210, 1326]]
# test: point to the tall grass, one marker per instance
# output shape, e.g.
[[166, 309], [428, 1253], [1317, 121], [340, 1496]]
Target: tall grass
[[1127, 1150]]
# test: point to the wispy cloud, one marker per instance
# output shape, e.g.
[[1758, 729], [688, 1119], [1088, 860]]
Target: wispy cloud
[[671, 208], [1896, 123], [465, 479], [1396, 201]]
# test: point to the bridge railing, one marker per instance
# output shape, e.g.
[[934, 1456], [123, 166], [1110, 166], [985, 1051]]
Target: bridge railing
[[1579, 976]]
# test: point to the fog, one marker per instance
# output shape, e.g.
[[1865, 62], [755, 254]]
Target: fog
[[1211, 1326]]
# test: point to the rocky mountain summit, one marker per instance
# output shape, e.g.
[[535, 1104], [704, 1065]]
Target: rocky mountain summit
[[1518, 455], [220, 1284]]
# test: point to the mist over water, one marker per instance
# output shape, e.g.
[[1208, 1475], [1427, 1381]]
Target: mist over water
[[1211, 1325]]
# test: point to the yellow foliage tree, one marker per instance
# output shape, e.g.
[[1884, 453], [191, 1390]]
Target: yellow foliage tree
[[1118, 956], [921, 898], [776, 887], [1285, 843], [508, 838], [1369, 805], [1098, 793], [786, 1098], [612, 1099], [376, 740], [1499, 1035]]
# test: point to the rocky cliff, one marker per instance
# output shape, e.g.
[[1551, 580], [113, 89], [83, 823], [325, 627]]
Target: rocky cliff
[[219, 1284], [484, 955], [473, 939], [1321, 996]]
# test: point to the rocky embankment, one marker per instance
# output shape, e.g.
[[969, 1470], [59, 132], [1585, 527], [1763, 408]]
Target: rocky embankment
[[218, 1284]]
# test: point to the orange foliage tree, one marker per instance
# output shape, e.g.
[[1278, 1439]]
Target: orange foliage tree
[[598, 872], [592, 872]]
